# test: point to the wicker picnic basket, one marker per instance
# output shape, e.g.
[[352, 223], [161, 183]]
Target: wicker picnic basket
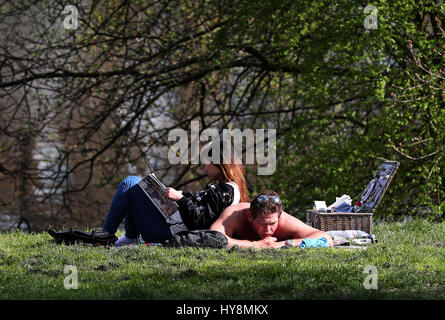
[[370, 199], [339, 221]]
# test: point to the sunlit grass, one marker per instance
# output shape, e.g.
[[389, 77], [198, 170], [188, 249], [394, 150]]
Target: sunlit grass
[[409, 258]]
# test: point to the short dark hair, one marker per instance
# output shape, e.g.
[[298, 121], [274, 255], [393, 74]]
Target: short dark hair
[[267, 206]]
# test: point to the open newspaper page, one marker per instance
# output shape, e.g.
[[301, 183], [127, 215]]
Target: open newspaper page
[[154, 189]]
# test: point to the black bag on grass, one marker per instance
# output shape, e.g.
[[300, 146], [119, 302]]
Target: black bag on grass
[[198, 238], [71, 236]]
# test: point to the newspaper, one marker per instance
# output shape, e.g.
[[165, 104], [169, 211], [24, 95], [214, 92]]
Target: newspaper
[[154, 189]]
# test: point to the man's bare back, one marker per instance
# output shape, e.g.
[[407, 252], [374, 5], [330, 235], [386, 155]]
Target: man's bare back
[[271, 230]]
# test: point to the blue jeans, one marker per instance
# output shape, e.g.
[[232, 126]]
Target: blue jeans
[[140, 214]]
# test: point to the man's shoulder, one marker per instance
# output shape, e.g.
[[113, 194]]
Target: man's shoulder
[[236, 209], [287, 219], [290, 226], [240, 206], [231, 219]]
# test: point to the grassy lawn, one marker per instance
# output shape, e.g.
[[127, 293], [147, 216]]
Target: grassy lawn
[[409, 259]]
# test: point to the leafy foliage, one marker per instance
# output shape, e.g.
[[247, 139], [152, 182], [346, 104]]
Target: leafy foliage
[[104, 97]]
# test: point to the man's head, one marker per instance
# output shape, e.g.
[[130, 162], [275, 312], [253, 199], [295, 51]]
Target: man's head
[[265, 211]]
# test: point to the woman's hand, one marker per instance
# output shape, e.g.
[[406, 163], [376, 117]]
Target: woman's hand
[[173, 194]]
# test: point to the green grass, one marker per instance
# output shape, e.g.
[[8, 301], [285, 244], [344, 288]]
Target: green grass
[[410, 261]]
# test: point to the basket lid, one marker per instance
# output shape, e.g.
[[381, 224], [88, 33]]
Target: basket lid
[[373, 194]]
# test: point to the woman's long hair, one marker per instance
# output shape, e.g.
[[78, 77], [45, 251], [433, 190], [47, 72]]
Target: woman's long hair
[[235, 173], [232, 170]]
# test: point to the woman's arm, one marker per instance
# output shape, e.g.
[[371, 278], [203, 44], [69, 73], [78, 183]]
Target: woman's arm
[[201, 210]]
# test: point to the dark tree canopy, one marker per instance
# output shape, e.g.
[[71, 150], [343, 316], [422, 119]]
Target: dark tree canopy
[[84, 107]]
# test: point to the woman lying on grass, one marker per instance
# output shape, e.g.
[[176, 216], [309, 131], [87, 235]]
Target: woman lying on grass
[[196, 211]]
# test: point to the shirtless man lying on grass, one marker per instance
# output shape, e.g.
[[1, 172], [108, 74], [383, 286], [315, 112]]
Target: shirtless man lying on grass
[[263, 224]]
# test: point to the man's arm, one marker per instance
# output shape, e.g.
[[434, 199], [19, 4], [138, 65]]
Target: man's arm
[[269, 242], [228, 222], [296, 230]]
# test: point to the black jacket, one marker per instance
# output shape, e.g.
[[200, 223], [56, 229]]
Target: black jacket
[[199, 211]]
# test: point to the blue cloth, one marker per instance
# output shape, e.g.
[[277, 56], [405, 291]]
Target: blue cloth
[[140, 214], [344, 207], [314, 243]]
